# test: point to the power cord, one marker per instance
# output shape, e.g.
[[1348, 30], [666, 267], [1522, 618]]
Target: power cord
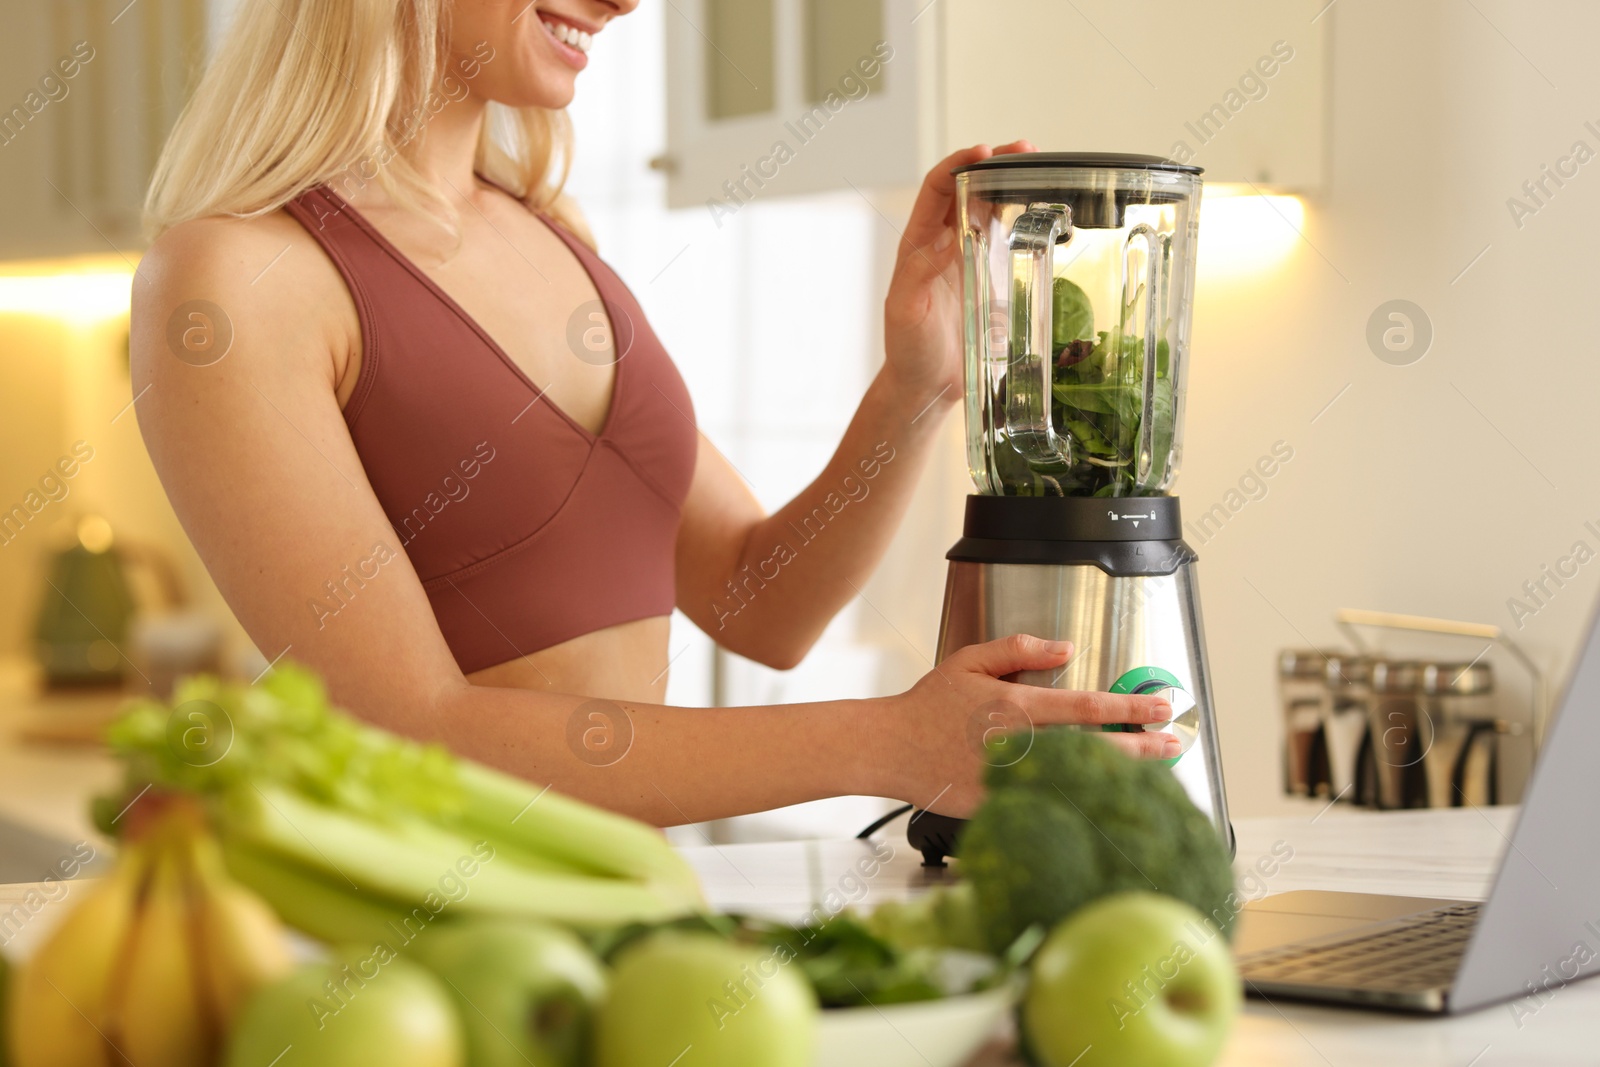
[[879, 824]]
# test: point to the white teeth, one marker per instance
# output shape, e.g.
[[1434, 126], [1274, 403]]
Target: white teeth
[[569, 35]]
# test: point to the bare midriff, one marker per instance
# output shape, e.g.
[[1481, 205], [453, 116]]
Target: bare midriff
[[627, 661]]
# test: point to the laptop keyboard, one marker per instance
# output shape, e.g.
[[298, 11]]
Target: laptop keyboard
[[1419, 952]]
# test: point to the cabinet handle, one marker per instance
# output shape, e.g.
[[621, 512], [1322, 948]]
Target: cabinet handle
[[666, 163]]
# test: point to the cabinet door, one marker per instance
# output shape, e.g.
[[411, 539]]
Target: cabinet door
[[1236, 86], [792, 96], [88, 91]]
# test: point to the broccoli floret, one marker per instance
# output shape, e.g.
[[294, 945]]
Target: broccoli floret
[[945, 916], [1075, 820]]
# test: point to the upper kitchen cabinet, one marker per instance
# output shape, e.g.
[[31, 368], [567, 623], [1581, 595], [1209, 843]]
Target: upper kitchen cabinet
[[88, 91], [794, 96]]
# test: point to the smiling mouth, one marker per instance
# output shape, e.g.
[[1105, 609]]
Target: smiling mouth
[[568, 35]]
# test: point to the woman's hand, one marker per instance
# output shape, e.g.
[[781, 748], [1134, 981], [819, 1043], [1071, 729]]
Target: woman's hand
[[922, 315], [941, 725]]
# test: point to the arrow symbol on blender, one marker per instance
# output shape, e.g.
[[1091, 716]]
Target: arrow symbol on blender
[[1135, 524]]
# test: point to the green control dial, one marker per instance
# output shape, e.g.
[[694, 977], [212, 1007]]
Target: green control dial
[[1185, 723]]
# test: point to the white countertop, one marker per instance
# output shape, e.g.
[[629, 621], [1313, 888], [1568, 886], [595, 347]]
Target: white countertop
[[1431, 853]]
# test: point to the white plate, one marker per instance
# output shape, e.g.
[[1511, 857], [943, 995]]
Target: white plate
[[926, 1033]]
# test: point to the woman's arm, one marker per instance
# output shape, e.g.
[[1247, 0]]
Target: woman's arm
[[766, 586], [257, 461]]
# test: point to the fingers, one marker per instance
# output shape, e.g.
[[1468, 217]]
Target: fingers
[[1146, 746], [1047, 706], [1019, 652], [933, 214]]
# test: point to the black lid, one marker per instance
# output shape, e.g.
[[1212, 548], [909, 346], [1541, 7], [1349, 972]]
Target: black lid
[[1086, 160]]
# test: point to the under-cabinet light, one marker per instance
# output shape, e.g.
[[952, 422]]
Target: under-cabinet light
[[1244, 232], [83, 291]]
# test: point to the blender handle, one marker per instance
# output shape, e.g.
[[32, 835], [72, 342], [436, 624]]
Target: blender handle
[[1152, 324], [1026, 393]]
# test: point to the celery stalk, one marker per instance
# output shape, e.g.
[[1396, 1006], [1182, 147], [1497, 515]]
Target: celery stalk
[[289, 775], [507, 809], [416, 863], [311, 903]]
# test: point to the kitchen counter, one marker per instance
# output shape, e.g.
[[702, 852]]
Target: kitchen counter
[[1429, 853], [49, 767]]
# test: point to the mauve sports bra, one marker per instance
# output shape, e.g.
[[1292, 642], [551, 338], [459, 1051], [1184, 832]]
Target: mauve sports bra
[[526, 529]]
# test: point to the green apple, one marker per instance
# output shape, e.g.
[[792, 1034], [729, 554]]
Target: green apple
[[698, 1000], [1131, 978], [526, 991], [360, 1006]]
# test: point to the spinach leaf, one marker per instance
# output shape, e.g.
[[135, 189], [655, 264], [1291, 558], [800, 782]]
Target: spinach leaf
[[1096, 401], [1071, 314]]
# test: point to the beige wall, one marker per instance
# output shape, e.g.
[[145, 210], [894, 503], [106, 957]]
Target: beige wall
[[31, 435], [61, 381]]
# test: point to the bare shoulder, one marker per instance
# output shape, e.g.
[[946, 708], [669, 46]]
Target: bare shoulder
[[261, 284]]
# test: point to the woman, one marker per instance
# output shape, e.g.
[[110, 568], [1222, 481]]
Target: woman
[[426, 443]]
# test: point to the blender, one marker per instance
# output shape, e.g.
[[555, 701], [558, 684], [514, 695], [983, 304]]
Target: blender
[[1077, 283]]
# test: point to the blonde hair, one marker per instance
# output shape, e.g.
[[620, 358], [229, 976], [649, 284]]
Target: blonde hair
[[308, 92]]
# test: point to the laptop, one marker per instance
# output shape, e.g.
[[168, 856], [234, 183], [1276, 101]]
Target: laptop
[[1538, 930]]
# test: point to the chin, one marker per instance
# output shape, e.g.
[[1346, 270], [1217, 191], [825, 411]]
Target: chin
[[536, 95], [535, 90], [554, 97]]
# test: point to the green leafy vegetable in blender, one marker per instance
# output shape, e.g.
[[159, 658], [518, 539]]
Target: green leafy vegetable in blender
[[1098, 402], [1071, 314]]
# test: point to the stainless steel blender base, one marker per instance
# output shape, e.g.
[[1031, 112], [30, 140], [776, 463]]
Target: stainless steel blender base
[[1120, 626]]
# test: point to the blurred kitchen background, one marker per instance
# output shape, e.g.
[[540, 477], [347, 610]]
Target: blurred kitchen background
[[1436, 152]]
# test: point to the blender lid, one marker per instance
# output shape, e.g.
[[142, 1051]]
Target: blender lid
[[1085, 160]]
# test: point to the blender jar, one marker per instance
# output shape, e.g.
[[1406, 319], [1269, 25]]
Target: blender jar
[[1077, 279]]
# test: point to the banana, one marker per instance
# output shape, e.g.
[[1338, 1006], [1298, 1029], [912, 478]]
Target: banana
[[60, 1003], [158, 1014], [241, 943], [154, 964]]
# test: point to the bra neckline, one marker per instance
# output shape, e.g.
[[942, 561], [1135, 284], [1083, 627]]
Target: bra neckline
[[539, 394]]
